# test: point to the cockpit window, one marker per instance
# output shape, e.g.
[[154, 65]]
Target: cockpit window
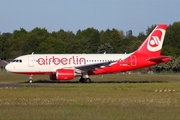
[[17, 60]]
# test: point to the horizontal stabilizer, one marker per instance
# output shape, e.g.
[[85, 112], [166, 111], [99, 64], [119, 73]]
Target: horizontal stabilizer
[[160, 59]]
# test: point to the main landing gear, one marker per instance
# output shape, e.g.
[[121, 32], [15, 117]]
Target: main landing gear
[[85, 80]]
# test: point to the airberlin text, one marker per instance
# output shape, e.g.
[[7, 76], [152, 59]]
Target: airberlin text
[[73, 60]]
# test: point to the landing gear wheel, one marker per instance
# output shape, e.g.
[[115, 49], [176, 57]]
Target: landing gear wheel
[[82, 80], [30, 81], [87, 80]]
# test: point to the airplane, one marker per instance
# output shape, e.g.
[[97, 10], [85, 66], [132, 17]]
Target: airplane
[[68, 66]]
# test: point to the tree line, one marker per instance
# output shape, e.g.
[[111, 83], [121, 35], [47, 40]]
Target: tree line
[[90, 40]]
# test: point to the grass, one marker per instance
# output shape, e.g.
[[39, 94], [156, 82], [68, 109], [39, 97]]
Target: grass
[[126, 97]]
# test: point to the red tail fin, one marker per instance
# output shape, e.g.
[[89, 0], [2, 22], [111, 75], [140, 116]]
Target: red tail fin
[[153, 43]]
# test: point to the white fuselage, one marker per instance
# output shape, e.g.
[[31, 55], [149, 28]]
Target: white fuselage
[[49, 63]]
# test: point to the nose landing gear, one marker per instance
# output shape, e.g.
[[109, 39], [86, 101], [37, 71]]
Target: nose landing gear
[[30, 78]]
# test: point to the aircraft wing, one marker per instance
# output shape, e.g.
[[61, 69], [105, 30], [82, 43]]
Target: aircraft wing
[[3, 63], [159, 59], [91, 67]]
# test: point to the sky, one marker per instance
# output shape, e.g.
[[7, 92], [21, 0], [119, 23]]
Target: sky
[[74, 15]]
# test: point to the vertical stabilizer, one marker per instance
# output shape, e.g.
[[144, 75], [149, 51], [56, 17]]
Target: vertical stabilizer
[[153, 43]]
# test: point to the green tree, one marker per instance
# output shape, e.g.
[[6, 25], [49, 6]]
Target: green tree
[[90, 39], [51, 46], [105, 48], [113, 37], [150, 29], [40, 32], [4, 46], [15, 43], [172, 38], [66, 38], [30, 44], [168, 50], [19, 33], [141, 36]]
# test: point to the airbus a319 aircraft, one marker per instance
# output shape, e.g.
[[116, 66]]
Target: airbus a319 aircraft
[[68, 66]]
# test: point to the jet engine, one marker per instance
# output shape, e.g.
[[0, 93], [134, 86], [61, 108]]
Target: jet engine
[[63, 74]]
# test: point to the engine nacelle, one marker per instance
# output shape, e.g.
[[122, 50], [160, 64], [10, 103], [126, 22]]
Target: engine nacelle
[[65, 74]]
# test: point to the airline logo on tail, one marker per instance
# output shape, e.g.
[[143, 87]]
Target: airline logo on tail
[[155, 40]]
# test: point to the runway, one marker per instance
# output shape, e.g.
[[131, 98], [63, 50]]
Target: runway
[[20, 84], [9, 85]]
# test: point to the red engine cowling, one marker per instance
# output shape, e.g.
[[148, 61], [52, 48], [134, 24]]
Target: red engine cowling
[[65, 74]]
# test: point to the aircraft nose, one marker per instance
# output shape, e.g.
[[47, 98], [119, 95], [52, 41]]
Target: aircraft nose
[[9, 67]]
